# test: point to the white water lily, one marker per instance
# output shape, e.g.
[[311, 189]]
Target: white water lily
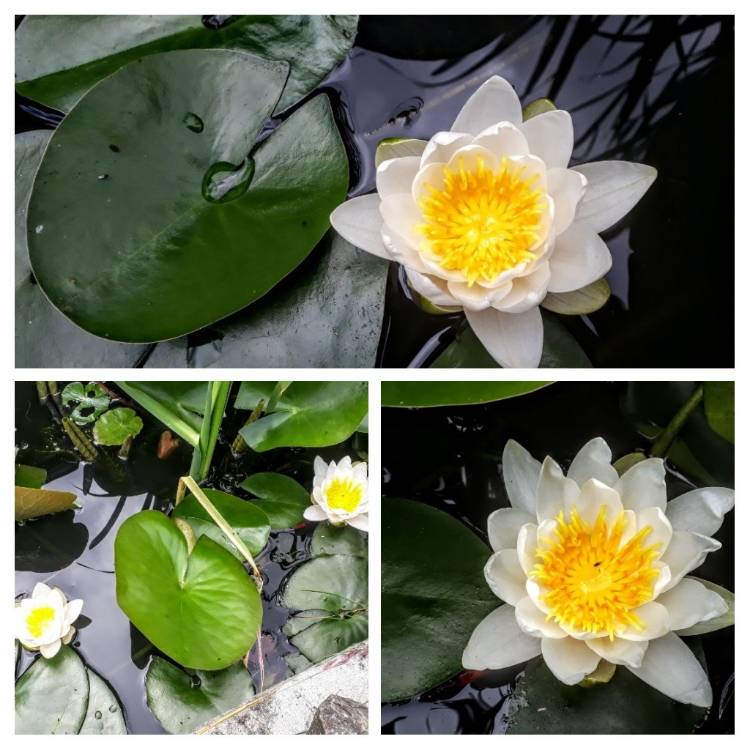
[[592, 566], [339, 493], [489, 218], [44, 620]]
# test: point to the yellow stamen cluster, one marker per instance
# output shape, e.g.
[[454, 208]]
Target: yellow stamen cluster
[[482, 221], [38, 619], [593, 579], [344, 494]]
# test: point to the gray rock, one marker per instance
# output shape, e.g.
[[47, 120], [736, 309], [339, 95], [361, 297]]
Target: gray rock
[[339, 715]]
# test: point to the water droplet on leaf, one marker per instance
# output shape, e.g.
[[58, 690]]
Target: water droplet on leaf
[[103, 177], [193, 122], [225, 182], [39, 229], [97, 714], [113, 709]]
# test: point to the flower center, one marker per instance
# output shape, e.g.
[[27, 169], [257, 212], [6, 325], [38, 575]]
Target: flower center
[[482, 222], [39, 619], [594, 578], [344, 494]]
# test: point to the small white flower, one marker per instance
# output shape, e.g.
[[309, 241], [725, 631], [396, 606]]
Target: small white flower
[[593, 566], [44, 620], [339, 493], [489, 218]]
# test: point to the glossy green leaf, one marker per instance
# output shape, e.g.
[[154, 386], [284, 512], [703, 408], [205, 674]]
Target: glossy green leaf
[[249, 522], [281, 498], [114, 427], [201, 609], [30, 476], [325, 636], [308, 414], [450, 393], [52, 695], [189, 260], [89, 401], [718, 401], [717, 623], [58, 58], [31, 502], [580, 302], [337, 540], [396, 148], [104, 712], [433, 596], [184, 700]]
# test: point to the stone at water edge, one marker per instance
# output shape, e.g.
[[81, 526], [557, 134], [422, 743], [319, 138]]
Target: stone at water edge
[[337, 715]]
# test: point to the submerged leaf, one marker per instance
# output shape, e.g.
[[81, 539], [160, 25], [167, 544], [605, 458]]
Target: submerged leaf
[[116, 426]]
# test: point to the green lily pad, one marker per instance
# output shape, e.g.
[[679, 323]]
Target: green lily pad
[[116, 426], [718, 401], [52, 695], [104, 713], [717, 623], [201, 609], [448, 393], [431, 600], [184, 700], [249, 521], [30, 476], [59, 58], [281, 498], [307, 414], [327, 635], [337, 540], [217, 227], [91, 400]]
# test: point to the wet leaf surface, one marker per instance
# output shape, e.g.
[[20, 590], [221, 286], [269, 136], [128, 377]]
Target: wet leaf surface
[[421, 394]]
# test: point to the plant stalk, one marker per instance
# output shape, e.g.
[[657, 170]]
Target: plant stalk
[[667, 436]]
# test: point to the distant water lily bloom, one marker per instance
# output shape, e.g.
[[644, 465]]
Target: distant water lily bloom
[[339, 493], [593, 566], [44, 620], [489, 218]]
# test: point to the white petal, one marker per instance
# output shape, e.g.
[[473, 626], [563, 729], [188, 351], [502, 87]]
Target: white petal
[[690, 602], [534, 622], [403, 250], [469, 158], [550, 136], [614, 187], [580, 257], [593, 461], [526, 546], [48, 650], [664, 578], [73, 610], [555, 492], [68, 637], [670, 667], [655, 623], [360, 522], [494, 101], [401, 215], [521, 475], [619, 651], [661, 529], [566, 188], [503, 139], [686, 552], [431, 288], [358, 221], [701, 510], [512, 339], [526, 292], [503, 526], [442, 146], [505, 577], [396, 175], [595, 495], [643, 485], [40, 590], [319, 466], [498, 642], [474, 297], [315, 513], [570, 660], [532, 167]]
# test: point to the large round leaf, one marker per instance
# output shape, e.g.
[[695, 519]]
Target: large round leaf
[[451, 393], [136, 252], [201, 609], [52, 695], [182, 701], [104, 713], [337, 540], [282, 498], [433, 596]]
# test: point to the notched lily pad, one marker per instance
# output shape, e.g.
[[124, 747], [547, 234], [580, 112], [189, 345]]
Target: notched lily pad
[[116, 426]]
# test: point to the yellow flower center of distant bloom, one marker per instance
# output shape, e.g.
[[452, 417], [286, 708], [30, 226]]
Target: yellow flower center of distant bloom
[[38, 620], [593, 578], [482, 221], [344, 494]]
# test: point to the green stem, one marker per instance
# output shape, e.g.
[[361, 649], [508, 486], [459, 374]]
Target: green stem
[[79, 439], [239, 445], [217, 395], [669, 433]]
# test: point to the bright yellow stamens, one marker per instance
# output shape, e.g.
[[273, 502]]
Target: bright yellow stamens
[[482, 221], [593, 581], [344, 494], [38, 619]]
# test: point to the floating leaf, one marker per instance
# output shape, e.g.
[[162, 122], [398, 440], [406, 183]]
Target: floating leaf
[[200, 609], [337, 540], [116, 426], [91, 400], [396, 148], [30, 476], [216, 228], [52, 695], [717, 623], [183, 700], [718, 401], [431, 600], [449, 393], [32, 503], [580, 302], [282, 498], [104, 712]]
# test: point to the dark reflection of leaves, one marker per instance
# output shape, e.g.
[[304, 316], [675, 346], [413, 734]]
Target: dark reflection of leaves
[[50, 543]]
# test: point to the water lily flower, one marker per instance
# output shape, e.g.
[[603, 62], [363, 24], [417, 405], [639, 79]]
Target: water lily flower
[[44, 620], [489, 218], [339, 493], [593, 566]]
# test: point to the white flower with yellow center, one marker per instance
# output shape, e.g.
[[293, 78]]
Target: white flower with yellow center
[[593, 567], [339, 493], [44, 620], [488, 218]]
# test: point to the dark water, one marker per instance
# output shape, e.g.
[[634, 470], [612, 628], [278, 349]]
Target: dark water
[[74, 550], [652, 89], [458, 470]]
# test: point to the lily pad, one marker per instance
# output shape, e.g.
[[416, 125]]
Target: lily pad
[[201, 609], [437, 393], [104, 713], [90, 401], [281, 498], [327, 635], [58, 58], [30, 476], [32, 502], [337, 540], [718, 401], [52, 695], [217, 226], [307, 414], [249, 521], [433, 596], [116, 426], [184, 700]]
